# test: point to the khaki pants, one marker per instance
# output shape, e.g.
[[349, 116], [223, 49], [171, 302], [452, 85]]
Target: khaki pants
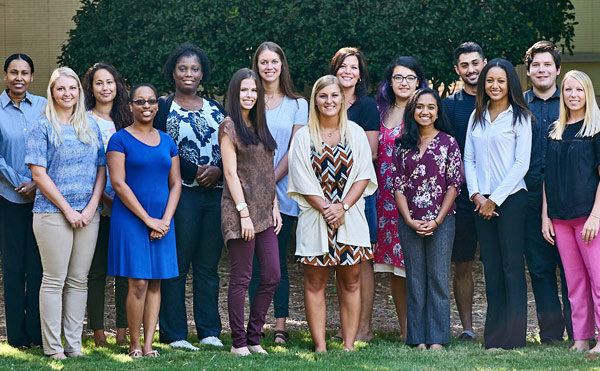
[[66, 255]]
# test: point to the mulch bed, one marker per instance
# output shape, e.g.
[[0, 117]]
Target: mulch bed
[[384, 314]]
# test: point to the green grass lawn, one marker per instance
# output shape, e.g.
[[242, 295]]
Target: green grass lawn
[[383, 353]]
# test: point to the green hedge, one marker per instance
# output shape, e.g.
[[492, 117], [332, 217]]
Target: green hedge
[[136, 36]]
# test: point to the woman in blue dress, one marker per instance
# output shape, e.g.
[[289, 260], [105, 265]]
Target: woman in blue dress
[[144, 168]]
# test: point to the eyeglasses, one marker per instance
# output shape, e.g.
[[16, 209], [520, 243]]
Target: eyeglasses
[[141, 102], [399, 78]]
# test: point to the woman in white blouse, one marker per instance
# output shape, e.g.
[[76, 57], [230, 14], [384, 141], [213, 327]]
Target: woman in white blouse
[[497, 152]]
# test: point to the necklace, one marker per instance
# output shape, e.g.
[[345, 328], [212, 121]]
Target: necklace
[[330, 133], [397, 106]]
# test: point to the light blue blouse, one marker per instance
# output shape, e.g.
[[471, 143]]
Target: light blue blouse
[[72, 165], [281, 121]]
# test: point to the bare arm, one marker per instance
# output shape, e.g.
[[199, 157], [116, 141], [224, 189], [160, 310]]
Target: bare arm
[[282, 167], [229, 157], [373, 137], [547, 226], [402, 205], [334, 213], [49, 189], [174, 190], [90, 209], [116, 166], [592, 224]]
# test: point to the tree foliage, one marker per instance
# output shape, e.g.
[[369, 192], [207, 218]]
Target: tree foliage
[[137, 36]]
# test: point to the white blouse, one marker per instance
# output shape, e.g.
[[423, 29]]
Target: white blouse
[[497, 155]]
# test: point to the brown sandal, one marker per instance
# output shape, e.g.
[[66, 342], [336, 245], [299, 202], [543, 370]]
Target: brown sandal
[[281, 335]]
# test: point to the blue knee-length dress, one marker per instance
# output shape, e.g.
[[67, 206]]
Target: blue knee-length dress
[[130, 251]]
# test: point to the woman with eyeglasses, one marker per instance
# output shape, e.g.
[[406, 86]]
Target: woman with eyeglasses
[[107, 102], [144, 170], [193, 123], [400, 80]]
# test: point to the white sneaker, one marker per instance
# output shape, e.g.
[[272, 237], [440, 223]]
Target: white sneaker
[[211, 340], [183, 344]]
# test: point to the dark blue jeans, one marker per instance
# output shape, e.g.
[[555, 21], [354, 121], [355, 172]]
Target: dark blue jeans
[[199, 242], [281, 300], [542, 261], [371, 215], [22, 272], [427, 282]]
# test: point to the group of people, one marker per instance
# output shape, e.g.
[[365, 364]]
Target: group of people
[[97, 181]]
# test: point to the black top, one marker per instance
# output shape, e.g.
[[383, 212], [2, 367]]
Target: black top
[[364, 113], [571, 174], [188, 168], [545, 113], [459, 107]]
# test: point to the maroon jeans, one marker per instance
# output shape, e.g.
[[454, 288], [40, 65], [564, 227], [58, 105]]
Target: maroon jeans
[[241, 254]]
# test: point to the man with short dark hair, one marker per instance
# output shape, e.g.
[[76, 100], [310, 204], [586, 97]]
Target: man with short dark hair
[[468, 63], [543, 99]]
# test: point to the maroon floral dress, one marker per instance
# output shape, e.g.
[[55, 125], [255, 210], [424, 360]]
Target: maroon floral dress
[[425, 180], [388, 250]]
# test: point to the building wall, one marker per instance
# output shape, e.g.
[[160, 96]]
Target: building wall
[[586, 56], [37, 28]]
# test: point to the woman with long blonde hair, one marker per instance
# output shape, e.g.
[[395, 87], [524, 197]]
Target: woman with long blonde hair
[[330, 174], [67, 162], [571, 205]]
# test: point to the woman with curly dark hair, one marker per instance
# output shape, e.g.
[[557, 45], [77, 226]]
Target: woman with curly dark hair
[[193, 123], [107, 102]]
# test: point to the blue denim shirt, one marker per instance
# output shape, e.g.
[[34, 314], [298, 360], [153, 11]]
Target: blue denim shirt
[[545, 113], [15, 124]]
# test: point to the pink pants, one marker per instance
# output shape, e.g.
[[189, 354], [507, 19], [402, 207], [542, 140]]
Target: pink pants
[[582, 270]]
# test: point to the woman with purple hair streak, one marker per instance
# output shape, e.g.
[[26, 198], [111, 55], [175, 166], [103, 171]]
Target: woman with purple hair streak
[[400, 80]]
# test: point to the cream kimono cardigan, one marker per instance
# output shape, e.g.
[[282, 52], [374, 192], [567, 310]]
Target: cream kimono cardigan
[[311, 233]]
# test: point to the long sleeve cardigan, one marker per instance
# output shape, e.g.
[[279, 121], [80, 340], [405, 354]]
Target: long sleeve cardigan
[[311, 232]]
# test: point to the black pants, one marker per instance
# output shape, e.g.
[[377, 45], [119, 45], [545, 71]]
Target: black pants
[[22, 272], [542, 261], [502, 241]]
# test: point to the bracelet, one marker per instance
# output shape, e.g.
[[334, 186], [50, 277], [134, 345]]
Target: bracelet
[[240, 207], [436, 223], [595, 216], [247, 216], [472, 198]]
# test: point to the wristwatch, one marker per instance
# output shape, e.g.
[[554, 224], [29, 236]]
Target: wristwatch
[[345, 206]]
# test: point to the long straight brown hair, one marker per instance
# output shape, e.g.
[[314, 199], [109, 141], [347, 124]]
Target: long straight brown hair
[[257, 116], [286, 85], [515, 93]]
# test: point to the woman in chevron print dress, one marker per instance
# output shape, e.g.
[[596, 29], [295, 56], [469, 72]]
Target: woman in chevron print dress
[[330, 171]]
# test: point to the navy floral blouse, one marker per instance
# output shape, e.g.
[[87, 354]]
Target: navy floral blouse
[[424, 181], [196, 134]]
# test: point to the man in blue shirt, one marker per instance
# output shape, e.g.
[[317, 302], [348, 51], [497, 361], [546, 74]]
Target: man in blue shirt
[[468, 63], [543, 99]]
